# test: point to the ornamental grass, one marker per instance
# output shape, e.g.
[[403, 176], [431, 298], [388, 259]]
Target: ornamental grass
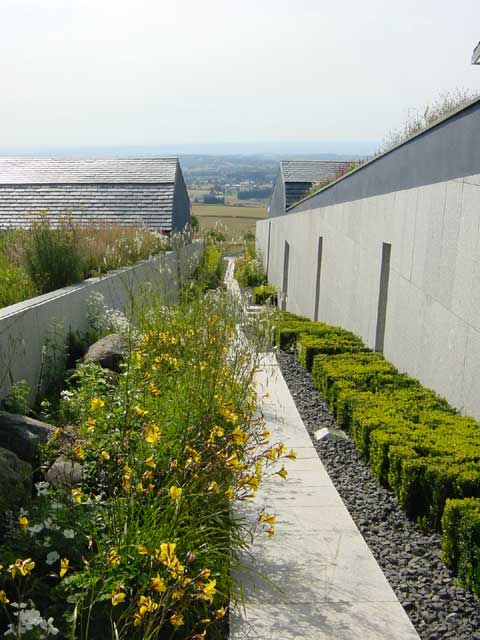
[[143, 543]]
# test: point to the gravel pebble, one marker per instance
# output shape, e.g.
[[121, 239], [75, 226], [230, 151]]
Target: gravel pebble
[[409, 557]]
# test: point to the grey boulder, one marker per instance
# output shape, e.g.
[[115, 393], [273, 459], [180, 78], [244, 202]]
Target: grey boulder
[[64, 473], [23, 435], [15, 481], [108, 352]]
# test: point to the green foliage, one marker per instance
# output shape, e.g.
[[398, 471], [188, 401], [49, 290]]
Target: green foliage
[[415, 443], [419, 119], [52, 254], [265, 294], [288, 331], [146, 537], [208, 274], [194, 223], [18, 399], [249, 269], [46, 257], [330, 343], [15, 283], [461, 540]]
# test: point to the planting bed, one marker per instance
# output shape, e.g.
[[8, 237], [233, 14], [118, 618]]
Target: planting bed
[[409, 557]]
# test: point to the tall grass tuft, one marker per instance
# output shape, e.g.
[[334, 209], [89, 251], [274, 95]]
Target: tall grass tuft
[[52, 254]]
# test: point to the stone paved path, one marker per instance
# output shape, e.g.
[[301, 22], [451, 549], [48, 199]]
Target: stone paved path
[[323, 582]]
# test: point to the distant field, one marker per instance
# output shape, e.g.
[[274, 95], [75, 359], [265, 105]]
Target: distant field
[[234, 221]]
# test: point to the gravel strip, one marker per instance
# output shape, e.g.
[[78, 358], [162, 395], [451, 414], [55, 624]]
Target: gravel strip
[[409, 557]]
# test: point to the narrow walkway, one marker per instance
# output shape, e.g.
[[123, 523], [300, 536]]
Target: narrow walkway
[[316, 579]]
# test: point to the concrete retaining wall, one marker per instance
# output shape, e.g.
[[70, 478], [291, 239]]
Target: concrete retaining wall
[[431, 313], [26, 327]]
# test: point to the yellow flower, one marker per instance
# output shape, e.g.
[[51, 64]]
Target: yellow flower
[[271, 454], [166, 551], [139, 411], [23, 567], [117, 598], [283, 473], [78, 452], [77, 495], [220, 613], [213, 486], [239, 436], [113, 558], [23, 522], [150, 463], [155, 391], [146, 605], [143, 551], [91, 424], [253, 482], [216, 432], [175, 493], [291, 455], [269, 518], [151, 434], [229, 493], [3, 597], [96, 404], [127, 478], [105, 456], [209, 590], [158, 584], [233, 461], [64, 564], [177, 619], [271, 532]]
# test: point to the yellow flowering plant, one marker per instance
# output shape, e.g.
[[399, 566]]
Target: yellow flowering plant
[[164, 450]]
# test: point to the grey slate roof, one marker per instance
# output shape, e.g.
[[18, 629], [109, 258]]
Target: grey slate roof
[[127, 191], [311, 170], [299, 175], [87, 170]]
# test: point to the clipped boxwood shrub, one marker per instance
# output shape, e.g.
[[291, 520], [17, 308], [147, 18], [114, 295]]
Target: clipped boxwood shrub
[[415, 442], [364, 371], [265, 294], [330, 343], [461, 540], [288, 333]]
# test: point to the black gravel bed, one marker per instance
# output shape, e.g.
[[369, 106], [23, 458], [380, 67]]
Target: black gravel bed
[[409, 556]]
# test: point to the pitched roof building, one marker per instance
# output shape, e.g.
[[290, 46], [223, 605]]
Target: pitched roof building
[[148, 191], [296, 177]]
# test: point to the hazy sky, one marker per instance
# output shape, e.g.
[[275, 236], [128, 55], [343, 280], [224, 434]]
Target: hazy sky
[[118, 72]]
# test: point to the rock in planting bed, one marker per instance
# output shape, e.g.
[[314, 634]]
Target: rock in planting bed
[[409, 557]]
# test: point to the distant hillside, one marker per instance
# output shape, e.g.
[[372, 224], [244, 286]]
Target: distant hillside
[[319, 150]]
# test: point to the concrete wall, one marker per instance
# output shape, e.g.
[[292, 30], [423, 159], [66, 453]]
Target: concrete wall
[[276, 206], [432, 319], [26, 327]]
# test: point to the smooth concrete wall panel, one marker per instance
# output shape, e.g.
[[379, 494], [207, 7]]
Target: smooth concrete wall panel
[[432, 326], [26, 327]]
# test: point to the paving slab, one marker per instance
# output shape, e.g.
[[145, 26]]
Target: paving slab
[[316, 578]]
